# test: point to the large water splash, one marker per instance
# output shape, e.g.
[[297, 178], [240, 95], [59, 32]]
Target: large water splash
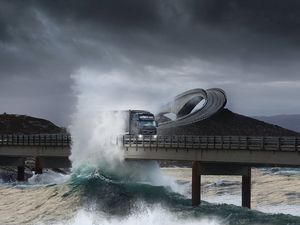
[[98, 122]]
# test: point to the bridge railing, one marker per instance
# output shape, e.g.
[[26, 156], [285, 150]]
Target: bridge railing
[[214, 142], [36, 140]]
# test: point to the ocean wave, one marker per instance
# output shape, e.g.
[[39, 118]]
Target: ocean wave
[[107, 194]]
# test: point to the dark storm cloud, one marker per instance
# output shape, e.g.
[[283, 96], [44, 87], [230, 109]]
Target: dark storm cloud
[[132, 13], [250, 34], [273, 16], [43, 42]]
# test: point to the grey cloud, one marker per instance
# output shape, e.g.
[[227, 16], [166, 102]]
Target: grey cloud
[[226, 43]]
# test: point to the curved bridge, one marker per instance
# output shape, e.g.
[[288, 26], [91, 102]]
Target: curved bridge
[[184, 106]]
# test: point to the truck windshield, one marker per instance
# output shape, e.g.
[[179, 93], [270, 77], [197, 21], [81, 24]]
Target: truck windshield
[[147, 123]]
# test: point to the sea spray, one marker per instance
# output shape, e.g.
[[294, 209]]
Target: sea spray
[[94, 137], [97, 125]]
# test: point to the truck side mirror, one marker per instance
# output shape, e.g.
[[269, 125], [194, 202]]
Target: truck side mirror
[[156, 123]]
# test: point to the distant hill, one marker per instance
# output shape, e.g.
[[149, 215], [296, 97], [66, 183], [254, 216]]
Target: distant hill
[[291, 122], [228, 123], [22, 124]]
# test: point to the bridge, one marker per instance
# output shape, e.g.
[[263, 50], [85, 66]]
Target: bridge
[[217, 155], [48, 151], [209, 155]]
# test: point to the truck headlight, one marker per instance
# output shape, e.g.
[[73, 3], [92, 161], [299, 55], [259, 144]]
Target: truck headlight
[[140, 136], [154, 136]]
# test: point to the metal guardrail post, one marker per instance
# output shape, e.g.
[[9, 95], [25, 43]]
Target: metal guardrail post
[[136, 143], [222, 143], [62, 140], [193, 142]]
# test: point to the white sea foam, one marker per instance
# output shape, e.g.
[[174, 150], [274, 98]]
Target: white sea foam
[[155, 215], [225, 198], [236, 200], [48, 177], [286, 209]]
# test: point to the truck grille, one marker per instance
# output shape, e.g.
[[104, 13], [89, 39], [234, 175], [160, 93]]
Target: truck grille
[[148, 132]]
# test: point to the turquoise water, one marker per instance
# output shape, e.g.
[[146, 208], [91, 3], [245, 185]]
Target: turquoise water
[[122, 197], [94, 196]]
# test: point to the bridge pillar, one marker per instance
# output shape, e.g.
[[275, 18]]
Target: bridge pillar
[[38, 166], [196, 184], [21, 173], [246, 189]]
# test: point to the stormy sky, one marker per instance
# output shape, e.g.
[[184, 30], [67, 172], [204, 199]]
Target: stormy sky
[[148, 51]]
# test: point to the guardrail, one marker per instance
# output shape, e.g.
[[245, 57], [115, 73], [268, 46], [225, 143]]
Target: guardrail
[[214, 142], [36, 140]]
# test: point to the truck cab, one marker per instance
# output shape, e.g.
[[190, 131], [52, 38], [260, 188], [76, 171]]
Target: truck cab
[[142, 123]]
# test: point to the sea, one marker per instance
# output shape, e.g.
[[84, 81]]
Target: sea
[[149, 195]]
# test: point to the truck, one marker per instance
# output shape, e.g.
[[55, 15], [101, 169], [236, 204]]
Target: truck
[[140, 123]]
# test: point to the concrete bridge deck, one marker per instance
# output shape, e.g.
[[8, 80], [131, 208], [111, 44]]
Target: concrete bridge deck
[[255, 151]]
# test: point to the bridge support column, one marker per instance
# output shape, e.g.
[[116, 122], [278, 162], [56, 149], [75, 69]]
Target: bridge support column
[[21, 173], [246, 189], [196, 184], [38, 166]]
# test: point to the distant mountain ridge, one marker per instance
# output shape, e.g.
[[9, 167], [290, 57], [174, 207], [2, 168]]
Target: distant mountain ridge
[[291, 122], [228, 123], [22, 124]]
